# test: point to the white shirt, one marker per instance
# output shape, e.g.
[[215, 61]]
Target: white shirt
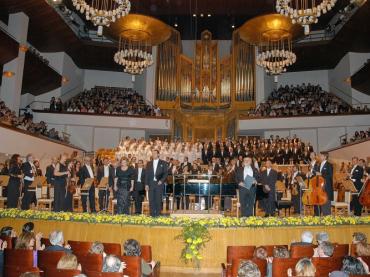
[[155, 164], [268, 171], [293, 177], [33, 171], [106, 171], [90, 171], [352, 170], [247, 171], [322, 165], [139, 171]]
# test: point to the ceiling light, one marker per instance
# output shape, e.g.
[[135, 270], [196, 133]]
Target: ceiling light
[[209, 15], [194, 15], [233, 26], [175, 25], [201, 15], [8, 74]]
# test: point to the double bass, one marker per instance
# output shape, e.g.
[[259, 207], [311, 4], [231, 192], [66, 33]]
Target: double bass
[[315, 195], [365, 194]]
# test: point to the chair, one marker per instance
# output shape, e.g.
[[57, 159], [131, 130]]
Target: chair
[[90, 262], [301, 251], [112, 248], [48, 259], [340, 250], [280, 266], [45, 241], [145, 205], [340, 208], [80, 246], [133, 266], [236, 252], [13, 256], [262, 266], [62, 272], [366, 259], [16, 271], [103, 274], [43, 202], [353, 250], [270, 249], [9, 241], [326, 265], [146, 253]]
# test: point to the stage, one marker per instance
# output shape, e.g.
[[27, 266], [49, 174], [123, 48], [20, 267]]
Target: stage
[[167, 250]]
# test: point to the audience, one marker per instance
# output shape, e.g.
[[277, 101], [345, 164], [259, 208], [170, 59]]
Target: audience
[[302, 100], [359, 237], [68, 261], [112, 263], [306, 239], [97, 248], [248, 269], [324, 250], [358, 135], [56, 239], [304, 268], [260, 253], [132, 248], [108, 100], [322, 237]]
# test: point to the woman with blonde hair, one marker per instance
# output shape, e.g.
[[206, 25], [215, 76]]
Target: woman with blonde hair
[[68, 261], [26, 241], [304, 268]]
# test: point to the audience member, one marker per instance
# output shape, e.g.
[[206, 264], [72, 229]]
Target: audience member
[[132, 248], [56, 239], [322, 237], [97, 248], [304, 268], [358, 135], [68, 261], [112, 263], [324, 250], [359, 237], [353, 266], [260, 253], [248, 268], [306, 239]]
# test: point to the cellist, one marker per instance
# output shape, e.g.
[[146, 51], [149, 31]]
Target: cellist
[[356, 175], [326, 171]]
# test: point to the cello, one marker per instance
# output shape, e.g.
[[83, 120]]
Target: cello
[[365, 194], [315, 195]]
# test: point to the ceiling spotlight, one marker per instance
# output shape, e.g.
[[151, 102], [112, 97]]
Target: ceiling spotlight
[[175, 25], [201, 15], [209, 15], [194, 15], [233, 26]]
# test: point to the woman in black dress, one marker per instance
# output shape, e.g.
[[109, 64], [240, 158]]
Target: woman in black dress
[[61, 174], [14, 185], [68, 204], [123, 185]]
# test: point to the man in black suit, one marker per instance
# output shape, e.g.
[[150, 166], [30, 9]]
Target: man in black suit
[[155, 176], [326, 171], [87, 172], [28, 170], [139, 186], [224, 154], [357, 173], [215, 166], [105, 171], [247, 196], [268, 179], [185, 163]]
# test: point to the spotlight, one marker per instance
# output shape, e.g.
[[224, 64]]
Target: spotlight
[[201, 15], [233, 26], [175, 25], [194, 15], [209, 15]]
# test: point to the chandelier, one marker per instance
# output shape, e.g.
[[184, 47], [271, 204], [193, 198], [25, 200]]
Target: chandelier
[[134, 56], [103, 12], [304, 12]]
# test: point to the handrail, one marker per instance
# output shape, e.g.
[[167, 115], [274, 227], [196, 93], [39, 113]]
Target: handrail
[[345, 94]]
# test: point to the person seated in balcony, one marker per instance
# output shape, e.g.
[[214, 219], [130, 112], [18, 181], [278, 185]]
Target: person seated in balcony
[[52, 105], [56, 239], [69, 261], [248, 268], [324, 250], [132, 248], [112, 263], [306, 239]]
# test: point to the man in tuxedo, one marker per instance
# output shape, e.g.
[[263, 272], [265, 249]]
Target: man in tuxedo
[[326, 171], [215, 166], [87, 172], [185, 163], [247, 196], [139, 186], [223, 154], [29, 172], [269, 178], [356, 175], [155, 176], [105, 171]]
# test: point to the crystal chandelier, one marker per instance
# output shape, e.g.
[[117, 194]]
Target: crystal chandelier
[[103, 12], [304, 12], [275, 54], [134, 56]]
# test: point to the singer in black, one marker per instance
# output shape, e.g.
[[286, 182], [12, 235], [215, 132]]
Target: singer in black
[[139, 188], [61, 174], [155, 176], [123, 185], [268, 180], [87, 171], [356, 175], [14, 185]]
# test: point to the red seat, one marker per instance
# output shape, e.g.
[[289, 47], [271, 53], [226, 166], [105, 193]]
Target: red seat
[[90, 262], [16, 271], [62, 272], [262, 266], [301, 251], [326, 265], [112, 248], [340, 250], [80, 246], [133, 266], [146, 253], [366, 259], [13, 257], [353, 250], [270, 249], [45, 241], [280, 266], [9, 241], [103, 274], [236, 252], [48, 259]]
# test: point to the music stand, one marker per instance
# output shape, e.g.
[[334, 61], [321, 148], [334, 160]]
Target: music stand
[[86, 187], [103, 185]]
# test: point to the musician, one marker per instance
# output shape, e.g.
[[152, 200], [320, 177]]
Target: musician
[[185, 163], [247, 196], [123, 185], [61, 174], [326, 171], [296, 188], [105, 171], [29, 172], [155, 175], [50, 171], [223, 154], [38, 169], [314, 166], [287, 154], [139, 186], [15, 181], [215, 166], [87, 171], [356, 175], [269, 178]]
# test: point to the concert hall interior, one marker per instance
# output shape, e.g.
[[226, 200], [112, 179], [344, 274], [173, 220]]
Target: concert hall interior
[[184, 138]]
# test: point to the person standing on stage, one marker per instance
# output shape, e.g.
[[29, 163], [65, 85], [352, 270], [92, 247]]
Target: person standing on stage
[[139, 188], [68, 202], [326, 171], [356, 175], [105, 171], [155, 176], [87, 172], [15, 180], [29, 172], [247, 196], [61, 174], [268, 180], [123, 185], [49, 174], [296, 188]]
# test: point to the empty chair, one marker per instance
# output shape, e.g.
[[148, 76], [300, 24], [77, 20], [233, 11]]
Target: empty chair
[[280, 266], [340, 250], [62, 272], [301, 251], [270, 249], [103, 274], [90, 262], [80, 246], [133, 266], [12, 257], [112, 249], [48, 259], [146, 253], [326, 265], [16, 271], [261, 264]]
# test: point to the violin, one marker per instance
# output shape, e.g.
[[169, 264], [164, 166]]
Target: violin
[[315, 195], [364, 197]]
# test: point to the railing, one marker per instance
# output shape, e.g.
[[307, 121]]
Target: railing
[[345, 96]]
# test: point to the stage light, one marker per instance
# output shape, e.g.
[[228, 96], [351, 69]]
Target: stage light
[[8, 74]]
